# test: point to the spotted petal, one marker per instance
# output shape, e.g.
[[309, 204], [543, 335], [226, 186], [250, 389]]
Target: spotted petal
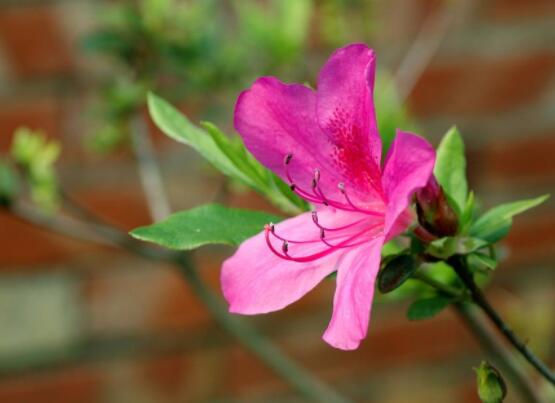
[[345, 110]]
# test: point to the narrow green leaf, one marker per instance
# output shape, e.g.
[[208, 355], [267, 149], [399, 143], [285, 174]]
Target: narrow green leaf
[[450, 169], [496, 223], [208, 224], [227, 155], [174, 124], [427, 307]]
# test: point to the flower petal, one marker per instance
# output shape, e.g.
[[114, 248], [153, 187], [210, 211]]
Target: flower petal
[[254, 280], [275, 119], [353, 296], [409, 164], [345, 111]]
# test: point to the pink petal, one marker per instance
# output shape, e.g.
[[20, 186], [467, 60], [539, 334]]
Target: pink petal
[[254, 280], [275, 119], [345, 110], [353, 296], [408, 166]]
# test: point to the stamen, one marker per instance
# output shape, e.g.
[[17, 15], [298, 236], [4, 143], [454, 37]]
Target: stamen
[[317, 223], [317, 195], [331, 248], [341, 187]]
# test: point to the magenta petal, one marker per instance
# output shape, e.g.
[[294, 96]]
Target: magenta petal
[[409, 164], [254, 280], [353, 296], [275, 119], [345, 111]]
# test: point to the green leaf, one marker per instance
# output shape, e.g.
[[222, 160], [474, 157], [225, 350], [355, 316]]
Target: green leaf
[[35, 154], [427, 307], [9, 185], [481, 260], [446, 247], [496, 223], [397, 270], [468, 213], [450, 169], [227, 155], [208, 224], [174, 124], [490, 384]]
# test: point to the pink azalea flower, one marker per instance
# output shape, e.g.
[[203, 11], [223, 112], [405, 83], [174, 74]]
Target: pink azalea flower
[[326, 145]]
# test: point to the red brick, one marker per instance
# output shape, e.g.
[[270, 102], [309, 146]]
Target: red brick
[[124, 206], [178, 308], [531, 239], [165, 374], [24, 244], [34, 41], [39, 113], [68, 386], [508, 10], [530, 156], [480, 87]]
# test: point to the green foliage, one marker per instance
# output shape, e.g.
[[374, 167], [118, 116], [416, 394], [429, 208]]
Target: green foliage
[[427, 308], [481, 261], [446, 247], [280, 38], [490, 384], [227, 155], [396, 270], [208, 224], [35, 155], [438, 271], [450, 169], [9, 186], [495, 224]]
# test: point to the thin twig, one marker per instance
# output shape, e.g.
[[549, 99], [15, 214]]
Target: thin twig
[[460, 266], [301, 380], [487, 339], [498, 353], [149, 171], [422, 50]]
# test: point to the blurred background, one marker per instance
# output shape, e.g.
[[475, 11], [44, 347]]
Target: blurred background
[[83, 323]]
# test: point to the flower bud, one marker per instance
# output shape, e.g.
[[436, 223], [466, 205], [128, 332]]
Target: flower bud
[[435, 214]]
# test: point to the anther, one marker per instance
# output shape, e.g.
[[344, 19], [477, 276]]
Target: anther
[[315, 216], [288, 159], [317, 175], [293, 187], [285, 247], [273, 228], [341, 187]]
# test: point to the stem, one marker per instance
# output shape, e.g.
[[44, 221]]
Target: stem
[[424, 47], [460, 266], [306, 384], [487, 339], [267, 352], [497, 352], [149, 171], [445, 289]]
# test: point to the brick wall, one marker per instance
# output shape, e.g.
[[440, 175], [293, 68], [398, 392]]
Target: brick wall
[[92, 324]]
